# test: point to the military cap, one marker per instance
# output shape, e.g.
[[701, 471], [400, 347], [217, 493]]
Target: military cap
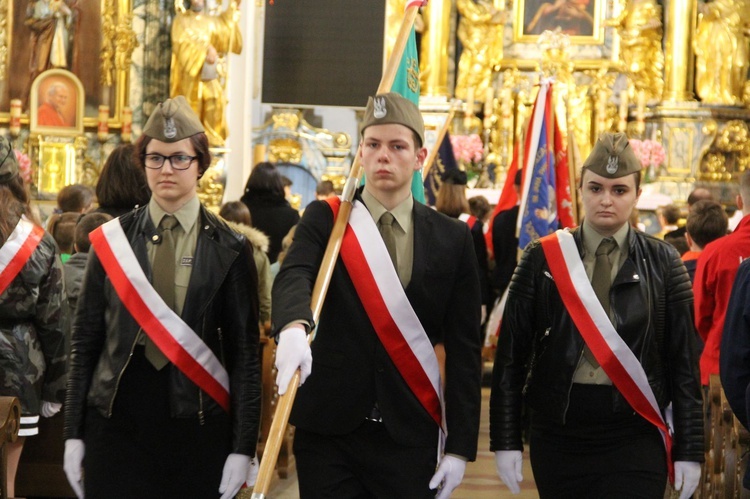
[[612, 156], [172, 121], [8, 162], [384, 109]]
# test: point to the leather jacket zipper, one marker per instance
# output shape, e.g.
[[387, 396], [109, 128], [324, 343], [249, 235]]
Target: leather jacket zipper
[[119, 376]]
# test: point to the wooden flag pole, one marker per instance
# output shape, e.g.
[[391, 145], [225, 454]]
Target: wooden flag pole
[[284, 407]]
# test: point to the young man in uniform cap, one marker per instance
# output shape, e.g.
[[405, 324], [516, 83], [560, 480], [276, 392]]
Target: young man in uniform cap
[[368, 417], [164, 384], [581, 305]]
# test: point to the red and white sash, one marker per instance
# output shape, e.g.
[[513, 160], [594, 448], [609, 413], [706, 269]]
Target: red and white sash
[[17, 250], [609, 349], [375, 279], [164, 327]]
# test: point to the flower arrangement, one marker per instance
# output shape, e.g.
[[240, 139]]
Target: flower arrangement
[[467, 148], [649, 152], [24, 166]]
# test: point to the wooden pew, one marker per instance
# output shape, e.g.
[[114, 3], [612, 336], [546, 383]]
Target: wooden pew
[[727, 447], [10, 422], [40, 472]]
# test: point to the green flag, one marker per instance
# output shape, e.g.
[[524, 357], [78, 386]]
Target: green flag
[[406, 83]]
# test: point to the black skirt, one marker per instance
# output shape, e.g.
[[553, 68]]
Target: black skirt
[[141, 451], [597, 453]]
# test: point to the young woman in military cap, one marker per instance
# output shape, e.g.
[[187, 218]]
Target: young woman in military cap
[[164, 391], [32, 339], [598, 338]]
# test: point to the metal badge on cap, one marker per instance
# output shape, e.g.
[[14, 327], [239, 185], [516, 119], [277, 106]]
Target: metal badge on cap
[[612, 165], [170, 130], [379, 107]]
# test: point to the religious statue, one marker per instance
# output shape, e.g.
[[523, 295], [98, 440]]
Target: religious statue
[[201, 43], [51, 23], [721, 50], [480, 30], [640, 30]]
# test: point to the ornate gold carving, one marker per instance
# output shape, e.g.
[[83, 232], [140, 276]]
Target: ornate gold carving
[[4, 38], [109, 32], [729, 155], [125, 42], [286, 120], [480, 30], [284, 151]]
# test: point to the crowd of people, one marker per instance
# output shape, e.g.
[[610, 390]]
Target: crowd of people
[[138, 312]]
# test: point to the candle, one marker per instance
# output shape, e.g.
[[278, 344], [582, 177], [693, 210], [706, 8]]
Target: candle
[[489, 101], [127, 124], [623, 112], [103, 127], [641, 112], [470, 101], [15, 117]]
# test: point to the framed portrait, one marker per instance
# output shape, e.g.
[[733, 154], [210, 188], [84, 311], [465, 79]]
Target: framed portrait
[[579, 19], [92, 40], [57, 104]]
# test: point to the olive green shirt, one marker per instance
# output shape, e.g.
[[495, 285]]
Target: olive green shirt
[[585, 372]]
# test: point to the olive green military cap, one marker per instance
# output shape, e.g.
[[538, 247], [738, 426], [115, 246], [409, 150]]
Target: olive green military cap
[[8, 165], [172, 121], [390, 108], [612, 156]]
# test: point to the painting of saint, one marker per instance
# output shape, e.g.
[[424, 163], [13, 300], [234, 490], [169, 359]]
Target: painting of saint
[[573, 17], [54, 110]]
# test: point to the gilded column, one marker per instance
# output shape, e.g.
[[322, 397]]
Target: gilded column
[[678, 68], [435, 44]]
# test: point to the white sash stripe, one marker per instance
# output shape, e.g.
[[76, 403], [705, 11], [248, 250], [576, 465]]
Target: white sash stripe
[[180, 331], [393, 293], [29, 419], [599, 316], [15, 242]]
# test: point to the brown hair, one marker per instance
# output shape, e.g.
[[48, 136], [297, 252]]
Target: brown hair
[[75, 198], [62, 227], [122, 184], [14, 202], [706, 222], [199, 142], [86, 224], [479, 207], [451, 200], [237, 212]]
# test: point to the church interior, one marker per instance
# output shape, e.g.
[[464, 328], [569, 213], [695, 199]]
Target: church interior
[[286, 81]]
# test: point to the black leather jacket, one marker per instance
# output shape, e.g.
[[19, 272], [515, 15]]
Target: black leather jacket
[[539, 346], [221, 306]]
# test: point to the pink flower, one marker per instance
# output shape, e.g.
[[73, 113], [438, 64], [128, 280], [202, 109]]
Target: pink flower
[[648, 152], [467, 148]]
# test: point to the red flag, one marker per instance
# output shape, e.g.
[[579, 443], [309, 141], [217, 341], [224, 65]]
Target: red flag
[[564, 195]]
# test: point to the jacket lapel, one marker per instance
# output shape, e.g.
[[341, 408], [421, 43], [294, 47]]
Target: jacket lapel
[[422, 236]]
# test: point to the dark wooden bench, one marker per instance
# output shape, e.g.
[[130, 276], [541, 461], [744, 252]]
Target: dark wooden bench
[[10, 421]]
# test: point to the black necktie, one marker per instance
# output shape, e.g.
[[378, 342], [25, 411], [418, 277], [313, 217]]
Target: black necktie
[[163, 268]]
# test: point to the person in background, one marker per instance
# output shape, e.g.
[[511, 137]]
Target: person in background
[[698, 194], [62, 227], [706, 222], [74, 198], [451, 196], [324, 190], [668, 216], [480, 213], [32, 335], [505, 242], [163, 401], [287, 183], [122, 184], [714, 276], [270, 212], [582, 342], [237, 216], [363, 428], [73, 268]]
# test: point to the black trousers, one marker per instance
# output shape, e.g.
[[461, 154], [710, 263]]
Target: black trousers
[[142, 452], [597, 453], [366, 463]]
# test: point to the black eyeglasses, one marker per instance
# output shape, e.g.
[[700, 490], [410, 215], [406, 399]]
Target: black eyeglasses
[[178, 161]]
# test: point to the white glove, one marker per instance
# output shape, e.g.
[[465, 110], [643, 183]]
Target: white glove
[[74, 451], [252, 473], [509, 464], [448, 476], [687, 474], [293, 352], [49, 409], [235, 472]]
